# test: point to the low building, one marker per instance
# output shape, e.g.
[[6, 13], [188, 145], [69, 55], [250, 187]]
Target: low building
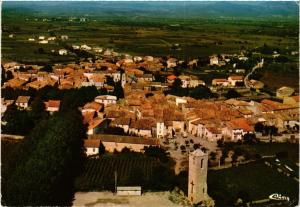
[[52, 105], [117, 142], [106, 99], [220, 82], [234, 79], [62, 52], [284, 92], [129, 190], [23, 101]]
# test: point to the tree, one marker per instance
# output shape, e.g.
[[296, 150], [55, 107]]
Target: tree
[[101, 149], [47, 68], [38, 181], [17, 121], [157, 152], [232, 94], [41, 51], [37, 112], [201, 92], [118, 90], [259, 127], [250, 138]]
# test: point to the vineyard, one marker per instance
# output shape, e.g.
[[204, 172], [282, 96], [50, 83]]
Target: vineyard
[[99, 173]]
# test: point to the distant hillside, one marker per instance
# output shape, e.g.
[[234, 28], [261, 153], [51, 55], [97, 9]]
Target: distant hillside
[[163, 9]]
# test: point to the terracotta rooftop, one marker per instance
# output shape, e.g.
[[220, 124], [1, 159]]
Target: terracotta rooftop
[[23, 99]]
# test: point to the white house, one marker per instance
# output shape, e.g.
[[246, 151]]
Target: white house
[[64, 37], [214, 60], [106, 99], [85, 47], [76, 47], [41, 37], [31, 39], [220, 82], [98, 49], [92, 146], [62, 52], [43, 42], [234, 79], [51, 38]]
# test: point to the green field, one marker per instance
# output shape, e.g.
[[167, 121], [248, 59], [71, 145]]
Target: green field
[[150, 35], [253, 181]]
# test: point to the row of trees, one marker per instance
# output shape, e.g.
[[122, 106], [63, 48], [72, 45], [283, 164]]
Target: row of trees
[[43, 167]]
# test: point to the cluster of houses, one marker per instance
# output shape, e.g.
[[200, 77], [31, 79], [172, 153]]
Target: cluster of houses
[[146, 113]]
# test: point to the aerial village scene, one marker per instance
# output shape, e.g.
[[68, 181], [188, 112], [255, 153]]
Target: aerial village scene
[[91, 124]]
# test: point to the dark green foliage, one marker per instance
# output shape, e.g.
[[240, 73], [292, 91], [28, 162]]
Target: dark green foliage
[[199, 92], [101, 149], [17, 121], [37, 112], [232, 94], [49, 160], [47, 68], [158, 153], [259, 127], [118, 90], [114, 130]]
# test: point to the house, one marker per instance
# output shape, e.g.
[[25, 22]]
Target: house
[[5, 104], [185, 80], [52, 106], [214, 60], [43, 42], [23, 101], [240, 70], [31, 39], [123, 123], [11, 35], [284, 92], [237, 128], [41, 37], [51, 38], [76, 47], [171, 78], [234, 79], [97, 125], [220, 82], [106, 100], [142, 127], [62, 52], [85, 47], [293, 100], [92, 107], [64, 37], [171, 62], [147, 77], [98, 49], [92, 146], [117, 142]]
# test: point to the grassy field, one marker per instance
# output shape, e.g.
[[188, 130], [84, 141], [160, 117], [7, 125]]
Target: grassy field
[[254, 181]]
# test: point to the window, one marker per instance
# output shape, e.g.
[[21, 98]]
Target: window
[[94, 149], [201, 163], [203, 190]]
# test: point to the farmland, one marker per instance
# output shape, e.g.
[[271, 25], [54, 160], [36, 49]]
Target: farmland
[[98, 173], [148, 35]]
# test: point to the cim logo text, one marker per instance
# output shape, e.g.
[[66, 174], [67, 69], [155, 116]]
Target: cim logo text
[[278, 197]]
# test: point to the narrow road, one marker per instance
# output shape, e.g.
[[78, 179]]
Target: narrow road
[[246, 80]]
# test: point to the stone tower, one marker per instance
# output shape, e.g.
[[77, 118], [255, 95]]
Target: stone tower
[[197, 186]]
